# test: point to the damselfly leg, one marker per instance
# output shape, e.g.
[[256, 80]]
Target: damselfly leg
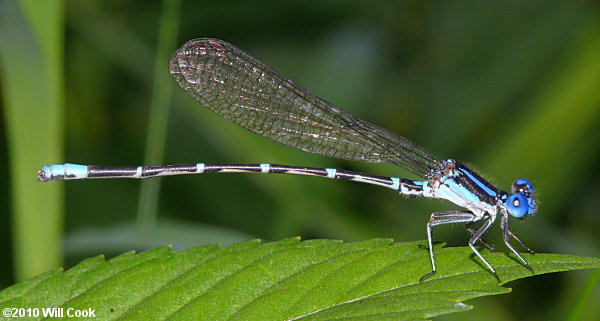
[[440, 218]]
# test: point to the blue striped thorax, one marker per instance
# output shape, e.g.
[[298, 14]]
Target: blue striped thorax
[[459, 184]]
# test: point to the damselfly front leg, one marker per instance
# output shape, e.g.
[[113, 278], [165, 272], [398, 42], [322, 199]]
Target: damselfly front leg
[[507, 234]]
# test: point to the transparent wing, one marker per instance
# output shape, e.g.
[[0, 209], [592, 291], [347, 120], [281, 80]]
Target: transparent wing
[[247, 92]]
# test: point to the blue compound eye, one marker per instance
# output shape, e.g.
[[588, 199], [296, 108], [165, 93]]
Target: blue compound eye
[[523, 185], [517, 205]]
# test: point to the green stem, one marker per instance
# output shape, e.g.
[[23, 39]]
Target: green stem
[[159, 110], [31, 60]]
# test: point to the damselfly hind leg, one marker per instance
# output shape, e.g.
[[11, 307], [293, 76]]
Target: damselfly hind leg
[[440, 218]]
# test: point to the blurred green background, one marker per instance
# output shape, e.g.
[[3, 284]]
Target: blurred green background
[[512, 87]]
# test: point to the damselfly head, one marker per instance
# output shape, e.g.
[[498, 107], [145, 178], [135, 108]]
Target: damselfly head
[[521, 202]]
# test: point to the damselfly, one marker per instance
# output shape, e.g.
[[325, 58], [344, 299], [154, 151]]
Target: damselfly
[[250, 94]]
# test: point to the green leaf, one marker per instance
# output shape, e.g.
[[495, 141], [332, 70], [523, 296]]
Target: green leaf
[[284, 280]]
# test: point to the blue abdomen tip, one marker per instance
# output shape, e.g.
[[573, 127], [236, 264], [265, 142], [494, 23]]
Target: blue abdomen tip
[[75, 171], [63, 172]]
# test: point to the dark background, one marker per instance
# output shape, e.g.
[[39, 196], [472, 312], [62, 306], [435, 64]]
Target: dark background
[[511, 87]]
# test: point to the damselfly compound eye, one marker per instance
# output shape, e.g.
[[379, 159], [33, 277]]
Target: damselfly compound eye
[[517, 205]]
